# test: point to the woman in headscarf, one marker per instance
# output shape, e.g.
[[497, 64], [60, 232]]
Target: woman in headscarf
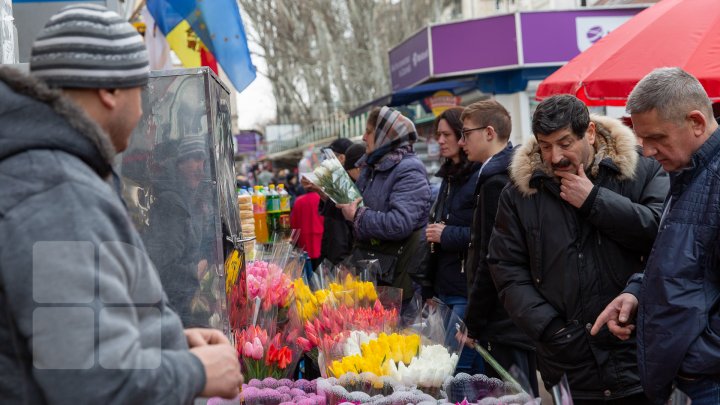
[[396, 197]]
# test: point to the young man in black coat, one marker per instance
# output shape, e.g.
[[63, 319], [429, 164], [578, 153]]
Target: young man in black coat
[[486, 139]]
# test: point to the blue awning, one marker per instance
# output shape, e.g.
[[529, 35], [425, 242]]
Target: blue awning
[[501, 82], [411, 94]]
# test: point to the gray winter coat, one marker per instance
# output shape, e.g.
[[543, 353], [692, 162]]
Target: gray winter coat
[[83, 317]]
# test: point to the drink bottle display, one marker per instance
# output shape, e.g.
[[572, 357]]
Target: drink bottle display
[[273, 212], [260, 214], [284, 221]]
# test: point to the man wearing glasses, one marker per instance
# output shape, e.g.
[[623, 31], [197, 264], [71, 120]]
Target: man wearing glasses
[[580, 217], [485, 139]]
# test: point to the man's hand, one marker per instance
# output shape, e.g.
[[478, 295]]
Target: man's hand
[[202, 268], [575, 188], [349, 210], [617, 315], [433, 232], [310, 187], [222, 370], [204, 336], [469, 342]]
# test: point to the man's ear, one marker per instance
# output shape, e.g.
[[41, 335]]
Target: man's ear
[[108, 97], [491, 134], [698, 122], [590, 133]]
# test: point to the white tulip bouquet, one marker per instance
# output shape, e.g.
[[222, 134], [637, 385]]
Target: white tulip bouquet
[[334, 181]]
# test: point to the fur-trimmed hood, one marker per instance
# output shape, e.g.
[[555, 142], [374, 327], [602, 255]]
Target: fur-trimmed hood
[[615, 144], [33, 116]]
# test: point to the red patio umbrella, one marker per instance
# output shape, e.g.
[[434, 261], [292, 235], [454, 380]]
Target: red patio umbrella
[[683, 33]]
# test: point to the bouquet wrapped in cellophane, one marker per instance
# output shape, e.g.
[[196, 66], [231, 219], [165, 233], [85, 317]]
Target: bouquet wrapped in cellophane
[[334, 181], [421, 356]]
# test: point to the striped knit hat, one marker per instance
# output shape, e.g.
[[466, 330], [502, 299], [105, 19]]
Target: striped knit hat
[[89, 46], [192, 146]]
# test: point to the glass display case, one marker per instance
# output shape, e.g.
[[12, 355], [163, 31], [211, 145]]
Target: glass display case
[[179, 184]]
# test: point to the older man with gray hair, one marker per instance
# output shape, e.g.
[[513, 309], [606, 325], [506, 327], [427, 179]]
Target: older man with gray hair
[[676, 301]]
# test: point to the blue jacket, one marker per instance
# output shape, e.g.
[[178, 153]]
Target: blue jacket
[[396, 198], [678, 319], [454, 207]]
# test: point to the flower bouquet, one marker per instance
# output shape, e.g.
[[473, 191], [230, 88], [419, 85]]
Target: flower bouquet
[[264, 351], [379, 356], [480, 389], [334, 181], [272, 391], [369, 389], [439, 352]]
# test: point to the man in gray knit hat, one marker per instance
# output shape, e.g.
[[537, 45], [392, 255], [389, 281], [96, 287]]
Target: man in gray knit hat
[[84, 317]]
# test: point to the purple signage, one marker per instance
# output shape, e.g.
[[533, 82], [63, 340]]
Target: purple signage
[[246, 142], [483, 44], [474, 45], [410, 61], [558, 36]]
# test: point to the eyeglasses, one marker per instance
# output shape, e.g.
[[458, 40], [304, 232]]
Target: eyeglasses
[[465, 132]]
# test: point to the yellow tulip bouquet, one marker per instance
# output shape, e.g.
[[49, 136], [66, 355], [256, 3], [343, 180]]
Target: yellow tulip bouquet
[[421, 356]]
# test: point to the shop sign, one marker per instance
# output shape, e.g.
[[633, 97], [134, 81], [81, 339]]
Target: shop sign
[[441, 101]]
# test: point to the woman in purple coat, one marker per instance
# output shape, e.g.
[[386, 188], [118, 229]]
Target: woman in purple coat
[[396, 197]]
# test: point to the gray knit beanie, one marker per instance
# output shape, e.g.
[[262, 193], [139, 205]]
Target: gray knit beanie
[[193, 146], [89, 46]]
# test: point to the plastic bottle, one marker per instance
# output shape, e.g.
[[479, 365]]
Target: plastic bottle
[[284, 221], [275, 199], [260, 214], [284, 198], [273, 212]]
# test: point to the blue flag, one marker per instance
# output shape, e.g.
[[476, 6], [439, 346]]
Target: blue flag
[[218, 25]]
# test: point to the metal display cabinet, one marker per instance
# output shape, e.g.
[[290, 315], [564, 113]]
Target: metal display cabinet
[[179, 184]]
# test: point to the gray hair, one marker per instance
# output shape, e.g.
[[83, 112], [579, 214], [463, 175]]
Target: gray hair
[[672, 91]]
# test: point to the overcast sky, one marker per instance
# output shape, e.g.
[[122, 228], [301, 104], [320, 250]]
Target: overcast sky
[[256, 104]]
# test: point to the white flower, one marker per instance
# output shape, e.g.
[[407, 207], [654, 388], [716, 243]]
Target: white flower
[[321, 172], [355, 341], [332, 164], [430, 368]]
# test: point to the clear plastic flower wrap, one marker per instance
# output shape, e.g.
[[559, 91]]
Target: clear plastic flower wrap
[[272, 391], [333, 180], [439, 353]]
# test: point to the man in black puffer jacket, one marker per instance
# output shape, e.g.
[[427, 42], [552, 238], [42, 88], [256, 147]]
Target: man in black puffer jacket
[[579, 218]]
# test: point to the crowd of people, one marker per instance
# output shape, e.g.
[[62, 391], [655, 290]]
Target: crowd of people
[[589, 252], [532, 244]]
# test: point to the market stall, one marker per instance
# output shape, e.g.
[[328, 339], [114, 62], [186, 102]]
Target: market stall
[[179, 183]]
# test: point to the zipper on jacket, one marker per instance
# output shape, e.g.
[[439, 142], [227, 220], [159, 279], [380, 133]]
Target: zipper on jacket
[[445, 207]]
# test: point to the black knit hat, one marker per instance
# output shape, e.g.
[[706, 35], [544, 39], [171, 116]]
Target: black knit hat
[[340, 145], [89, 46], [353, 154]]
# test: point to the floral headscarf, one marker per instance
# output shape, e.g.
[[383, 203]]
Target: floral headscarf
[[393, 130]]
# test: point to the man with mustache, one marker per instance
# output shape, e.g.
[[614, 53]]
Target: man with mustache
[[579, 217]]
